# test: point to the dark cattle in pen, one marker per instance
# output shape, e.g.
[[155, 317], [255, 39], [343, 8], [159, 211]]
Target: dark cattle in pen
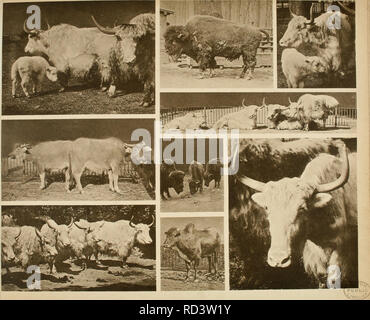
[[213, 172], [335, 46], [132, 58], [196, 171], [265, 160], [313, 218], [192, 245], [170, 178], [205, 37]]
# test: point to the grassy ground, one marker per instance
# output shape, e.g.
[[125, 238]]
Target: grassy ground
[[12, 191], [210, 200], [78, 99], [107, 277], [172, 280]]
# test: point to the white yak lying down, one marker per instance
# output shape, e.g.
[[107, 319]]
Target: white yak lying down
[[192, 120]]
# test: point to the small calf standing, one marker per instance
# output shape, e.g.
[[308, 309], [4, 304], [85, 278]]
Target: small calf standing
[[31, 71], [296, 67]]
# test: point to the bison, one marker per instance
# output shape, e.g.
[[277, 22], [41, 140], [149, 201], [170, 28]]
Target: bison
[[205, 37], [312, 217], [213, 172], [192, 245], [30, 72], [196, 171], [296, 67], [170, 178]]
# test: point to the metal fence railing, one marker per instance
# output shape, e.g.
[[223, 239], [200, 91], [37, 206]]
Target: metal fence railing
[[343, 117]]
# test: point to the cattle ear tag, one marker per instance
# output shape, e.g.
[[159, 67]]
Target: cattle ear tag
[[259, 199], [320, 200]]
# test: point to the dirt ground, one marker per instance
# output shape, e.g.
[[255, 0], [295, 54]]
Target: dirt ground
[[19, 191], [109, 276], [210, 200], [175, 76], [78, 99], [172, 280]]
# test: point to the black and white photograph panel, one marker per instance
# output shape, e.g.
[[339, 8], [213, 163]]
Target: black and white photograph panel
[[293, 214], [78, 248], [86, 159], [191, 175], [259, 112], [78, 57], [192, 254], [316, 44], [216, 44]]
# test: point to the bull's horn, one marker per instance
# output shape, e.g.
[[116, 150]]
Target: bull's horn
[[38, 233], [17, 236], [344, 175], [264, 102], [132, 224], [26, 30], [311, 15], [149, 225], [291, 12], [71, 223], [251, 183], [77, 224], [290, 101], [344, 7], [52, 224], [110, 31], [243, 103]]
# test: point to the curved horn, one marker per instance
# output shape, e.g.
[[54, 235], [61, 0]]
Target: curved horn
[[132, 224], [79, 226], [38, 233], [149, 225], [311, 15], [243, 103], [26, 30], [17, 236], [71, 223], [251, 183], [344, 7], [264, 102], [344, 174], [109, 31], [290, 101]]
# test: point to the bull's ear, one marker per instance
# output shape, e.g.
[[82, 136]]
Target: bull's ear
[[259, 199], [320, 200]]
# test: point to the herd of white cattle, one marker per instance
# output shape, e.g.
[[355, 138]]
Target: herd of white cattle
[[306, 113], [80, 240]]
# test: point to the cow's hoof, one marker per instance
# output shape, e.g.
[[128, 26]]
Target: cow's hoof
[[146, 104], [103, 89], [62, 90]]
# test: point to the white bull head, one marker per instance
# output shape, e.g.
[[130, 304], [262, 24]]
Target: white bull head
[[142, 232], [287, 203]]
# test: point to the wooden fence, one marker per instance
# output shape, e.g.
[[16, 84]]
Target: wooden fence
[[27, 168], [170, 260], [344, 117]]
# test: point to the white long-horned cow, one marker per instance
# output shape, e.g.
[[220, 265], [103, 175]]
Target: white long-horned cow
[[63, 43], [118, 238], [133, 56], [191, 120], [244, 119], [312, 217], [334, 45], [29, 246]]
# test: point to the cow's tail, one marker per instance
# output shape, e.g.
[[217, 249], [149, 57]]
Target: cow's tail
[[265, 33], [70, 168], [14, 72]]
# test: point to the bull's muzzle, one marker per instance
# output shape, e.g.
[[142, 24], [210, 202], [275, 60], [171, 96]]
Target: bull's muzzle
[[279, 258]]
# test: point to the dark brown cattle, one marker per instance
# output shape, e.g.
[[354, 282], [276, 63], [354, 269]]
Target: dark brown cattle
[[196, 172], [213, 172]]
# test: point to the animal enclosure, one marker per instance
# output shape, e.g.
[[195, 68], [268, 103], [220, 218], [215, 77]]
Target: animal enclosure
[[344, 117]]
